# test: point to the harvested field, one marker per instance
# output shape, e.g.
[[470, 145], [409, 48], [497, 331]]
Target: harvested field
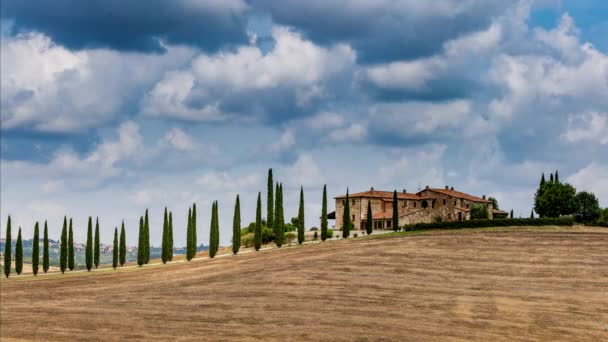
[[491, 286]]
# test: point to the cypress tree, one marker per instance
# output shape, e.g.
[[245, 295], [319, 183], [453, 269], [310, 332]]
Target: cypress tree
[[97, 246], [146, 239], [115, 249], [395, 211], [324, 215], [531, 214], [279, 220], [165, 242], [346, 221], [301, 217], [35, 250], [63, 255], [89, 247], [542, 180], [236, 226], [270, 201], [45, 249], [214, 237], [71, 248], [140, 246], [170, 239], [257, 237], [551, 179], [194, 238], [556, 177], [7, 249], [369, 221], [19, 253], [123, 244], [189, 236], [511, 213]]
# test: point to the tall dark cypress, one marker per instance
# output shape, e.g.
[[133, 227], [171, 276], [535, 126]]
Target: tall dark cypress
[[257, 237], [511, 213], [19, 254], [194, 238], [236, 226], [140, 245], [324, 215], [89, 247], [63, 254], [531, 214], [301, 217], [97, 246], [146, 239], [71, 248], [395, 212], [7, 249], [170, 238], [551, 179], [35, 250], [115, 249], [270, 201], [542, 180], [370, 219], [556, 177], [164, 255], [279, 220], [189, 236], [45, 249], [346, 220], [123, 244], [214, 235]]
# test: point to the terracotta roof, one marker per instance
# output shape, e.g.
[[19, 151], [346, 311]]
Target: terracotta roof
[[462, 209], [458, 194], [384, 194]]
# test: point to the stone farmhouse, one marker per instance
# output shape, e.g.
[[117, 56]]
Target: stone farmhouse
[[425, 206]]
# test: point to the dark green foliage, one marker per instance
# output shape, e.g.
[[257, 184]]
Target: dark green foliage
[[369, 220], [562, 221], [45, 249], [146, 239], [270, 201], [141, 258], [556, 180], [189, 236], [236, 225], [123, 245], [71, 248], [35, 250], [542, 180], [324, 215], [346, 220], [551, 179], [531, 214], [555, 199], [170, 242], [315, 237], [97, 246], [301, 217], [587, 207], [511, 215], [115, 249], [258, 224], [214, 231], [19, 253], [395, 212], [279, 219], [193, 231], [63, 256], [479, 211], [7, 249], [89, 248], [494, 202], [164, 253]]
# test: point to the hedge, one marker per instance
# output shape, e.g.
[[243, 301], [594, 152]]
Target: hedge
[[562, 221]]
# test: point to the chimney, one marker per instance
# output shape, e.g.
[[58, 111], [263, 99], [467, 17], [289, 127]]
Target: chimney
[[427, 186], [484, 197], [371, 189], [446, 187], [404, 191], [452, 188]]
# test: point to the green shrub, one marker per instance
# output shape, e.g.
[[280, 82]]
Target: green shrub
[[289, 237], [315, 237], [314, 229], [562, 221], [479, 212], [356, 235], [330, 233]]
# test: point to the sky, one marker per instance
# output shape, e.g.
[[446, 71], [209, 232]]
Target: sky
[[111, 107]]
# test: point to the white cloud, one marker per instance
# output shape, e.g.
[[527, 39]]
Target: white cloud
[[304, 171], [412, 75], [180, 139], [285, 142], [356, 132], [592, 126], [228, 182], [592, 178], [325, 120]]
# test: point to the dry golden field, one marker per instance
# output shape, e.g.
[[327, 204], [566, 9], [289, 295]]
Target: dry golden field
[[496, 285]]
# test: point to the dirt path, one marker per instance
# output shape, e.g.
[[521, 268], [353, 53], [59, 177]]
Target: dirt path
[[484, 287]]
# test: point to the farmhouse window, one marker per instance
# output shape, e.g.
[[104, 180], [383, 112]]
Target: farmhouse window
[[404, 204], [388, 224], [444, 201]]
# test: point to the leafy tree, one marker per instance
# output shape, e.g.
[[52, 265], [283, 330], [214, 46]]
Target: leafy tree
[[587, 207], [604, 215], [123, 244], [279, 221], [19, 253], [270, 201], [71, 248], [63, 255], [511, 215], [236, 226], [494, 202], [35, 250], [346, 220], [369, 220], [141, 258], [479, 211], [189, 236], [395, 211], [194, 238], [115, 249], [214, 235], [555, 199], [97, 246], [301, 217], [165, 242], [7, 249], [170, 243], [258, 224], [89, 248], [324, 215], [146, 238], [45, 249]]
